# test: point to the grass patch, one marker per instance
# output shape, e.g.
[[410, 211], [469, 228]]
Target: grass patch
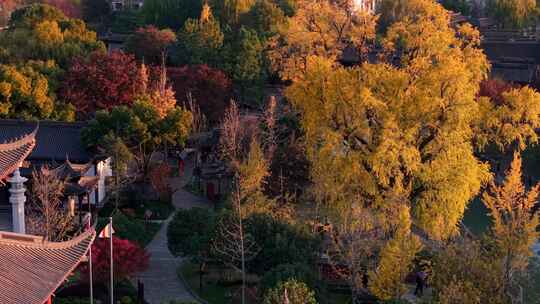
[[212, 293], [132, 229], [160, 210], [218, 294]]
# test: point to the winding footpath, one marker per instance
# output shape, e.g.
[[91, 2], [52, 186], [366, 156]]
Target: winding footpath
[[161, 282]]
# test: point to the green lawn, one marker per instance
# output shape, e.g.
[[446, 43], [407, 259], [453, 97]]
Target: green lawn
[[212, 293], [160, 210], [132, 229]]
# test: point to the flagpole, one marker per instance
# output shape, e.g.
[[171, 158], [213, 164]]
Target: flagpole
[[90, 256], [91, 280], [111, 243]]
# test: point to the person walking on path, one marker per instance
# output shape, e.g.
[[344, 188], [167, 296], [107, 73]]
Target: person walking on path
[[421, 277]]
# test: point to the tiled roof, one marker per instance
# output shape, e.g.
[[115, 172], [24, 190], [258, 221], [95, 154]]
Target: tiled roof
[[55, 141], [31, 270], [12, 153], [69, 170], [84, 185]]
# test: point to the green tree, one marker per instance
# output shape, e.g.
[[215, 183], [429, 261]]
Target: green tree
[[513, 13], [200, 40], [244, 62], [140, 128], [190, 234], [459, 6], [42, 32], [280, 242], [170, 13], [230, 11], [282, 273], [290, 291], [95, 10], [265, 17], [126, 21], [25, 93]]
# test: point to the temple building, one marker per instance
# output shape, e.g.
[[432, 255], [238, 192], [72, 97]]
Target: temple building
[[57, 145], [368, 5], [119, 5], [31, 268]]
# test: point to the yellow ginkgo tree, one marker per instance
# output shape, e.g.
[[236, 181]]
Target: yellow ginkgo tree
[[515, 222]]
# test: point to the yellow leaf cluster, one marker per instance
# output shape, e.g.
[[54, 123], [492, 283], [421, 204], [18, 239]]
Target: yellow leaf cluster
[[394, 127], [321, 28]]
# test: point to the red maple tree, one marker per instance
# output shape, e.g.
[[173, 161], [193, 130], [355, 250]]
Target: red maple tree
[[129, 259], [494, 89], [69, 7], [209, 87], [102, 81], [159, 179], [150, 43]]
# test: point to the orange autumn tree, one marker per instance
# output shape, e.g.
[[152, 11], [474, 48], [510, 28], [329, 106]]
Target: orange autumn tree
[[514, 225], [159, 179], [158, 93]]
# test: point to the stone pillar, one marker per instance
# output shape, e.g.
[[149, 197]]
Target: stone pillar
[[17, 200]]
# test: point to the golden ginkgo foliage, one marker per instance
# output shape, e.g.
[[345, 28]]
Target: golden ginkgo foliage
[[320, 28], [514, 222], [403, 124]]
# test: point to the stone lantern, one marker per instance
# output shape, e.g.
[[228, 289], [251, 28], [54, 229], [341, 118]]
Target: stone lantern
[[17, 199]]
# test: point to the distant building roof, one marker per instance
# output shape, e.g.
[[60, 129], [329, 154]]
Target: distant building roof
[[13, 152], [55, 141], [69, 170], [513, 72], [33, 269]]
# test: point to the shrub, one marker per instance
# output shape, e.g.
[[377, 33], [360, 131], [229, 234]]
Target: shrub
[[71, 300], [280, 242], [285, 272], [129, 259], [297, 293], [130, 228], [190, 232]]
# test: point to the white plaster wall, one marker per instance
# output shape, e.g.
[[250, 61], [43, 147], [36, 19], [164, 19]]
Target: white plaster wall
[[104, 171], [92, 172]]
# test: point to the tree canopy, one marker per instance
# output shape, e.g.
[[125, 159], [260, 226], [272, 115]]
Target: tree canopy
[[150, 44], [201, 40], [320, 28], [102, 81], [513, 13], [28, 92], [42, 32], [370, 142], [170, 13], [140, 128]]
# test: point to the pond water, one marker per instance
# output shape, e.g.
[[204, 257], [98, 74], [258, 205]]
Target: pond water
[[476, 217]]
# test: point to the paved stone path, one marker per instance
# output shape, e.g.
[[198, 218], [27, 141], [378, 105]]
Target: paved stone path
[[161, 282]]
